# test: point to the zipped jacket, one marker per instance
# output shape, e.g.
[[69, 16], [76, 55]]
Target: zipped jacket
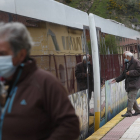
[[132, 81], [37, 108]]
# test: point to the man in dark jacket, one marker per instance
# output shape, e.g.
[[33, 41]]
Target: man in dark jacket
[[131, 74], [37, 105], [81, 75]]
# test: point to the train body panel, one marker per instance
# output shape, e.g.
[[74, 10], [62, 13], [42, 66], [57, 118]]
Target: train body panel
[[56, 39]]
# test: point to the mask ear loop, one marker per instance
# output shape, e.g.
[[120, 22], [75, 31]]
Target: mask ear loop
[[22, 64]]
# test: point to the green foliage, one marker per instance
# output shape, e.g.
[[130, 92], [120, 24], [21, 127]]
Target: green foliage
[[120, 10], [68, 1], [102, 47], [111, 43], [108, 43], [89, 47], [99, 8], [124, 6], [118, 5]]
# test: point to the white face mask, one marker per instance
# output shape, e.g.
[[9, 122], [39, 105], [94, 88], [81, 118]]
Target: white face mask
[[7, 68]]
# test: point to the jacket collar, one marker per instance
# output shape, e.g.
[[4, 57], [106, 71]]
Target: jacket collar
[[28, 68], [84, 66], [131, 61]]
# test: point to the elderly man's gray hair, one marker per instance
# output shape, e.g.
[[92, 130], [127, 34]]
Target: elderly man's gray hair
[[17, 35], [127, 53], [84, 57]]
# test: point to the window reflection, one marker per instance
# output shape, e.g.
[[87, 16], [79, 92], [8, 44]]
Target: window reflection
[[81, 74], [111, 49]]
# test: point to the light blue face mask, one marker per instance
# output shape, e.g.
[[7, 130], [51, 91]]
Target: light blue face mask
[[88, 62], [6, 66], [126, 60]]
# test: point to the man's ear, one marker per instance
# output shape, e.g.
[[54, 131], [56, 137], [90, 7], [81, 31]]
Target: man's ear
[[20, 57]]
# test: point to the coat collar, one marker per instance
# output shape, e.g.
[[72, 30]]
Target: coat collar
[[28, 68], [130, 63]]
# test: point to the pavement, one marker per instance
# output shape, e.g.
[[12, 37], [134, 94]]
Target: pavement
[[133, 132], [119, 128], [127, 129]]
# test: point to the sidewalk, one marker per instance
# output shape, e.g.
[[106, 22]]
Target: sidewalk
[[133, 132], [127, 129], [119, 128]]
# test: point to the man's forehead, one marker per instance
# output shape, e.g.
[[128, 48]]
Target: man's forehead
[[4, 44], [124, 55]]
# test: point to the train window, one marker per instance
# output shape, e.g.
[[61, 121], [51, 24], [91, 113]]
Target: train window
[[111, 50], [49, 38], [111, 65], [57, 49]]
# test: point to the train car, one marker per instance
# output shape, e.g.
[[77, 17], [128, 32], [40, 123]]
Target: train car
[[62, 37]]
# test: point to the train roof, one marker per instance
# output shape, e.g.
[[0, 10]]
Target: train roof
[[115, 28], [47, 10], [55, 12]]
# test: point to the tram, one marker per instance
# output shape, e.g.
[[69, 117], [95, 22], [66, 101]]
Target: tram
[[62, 36]]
